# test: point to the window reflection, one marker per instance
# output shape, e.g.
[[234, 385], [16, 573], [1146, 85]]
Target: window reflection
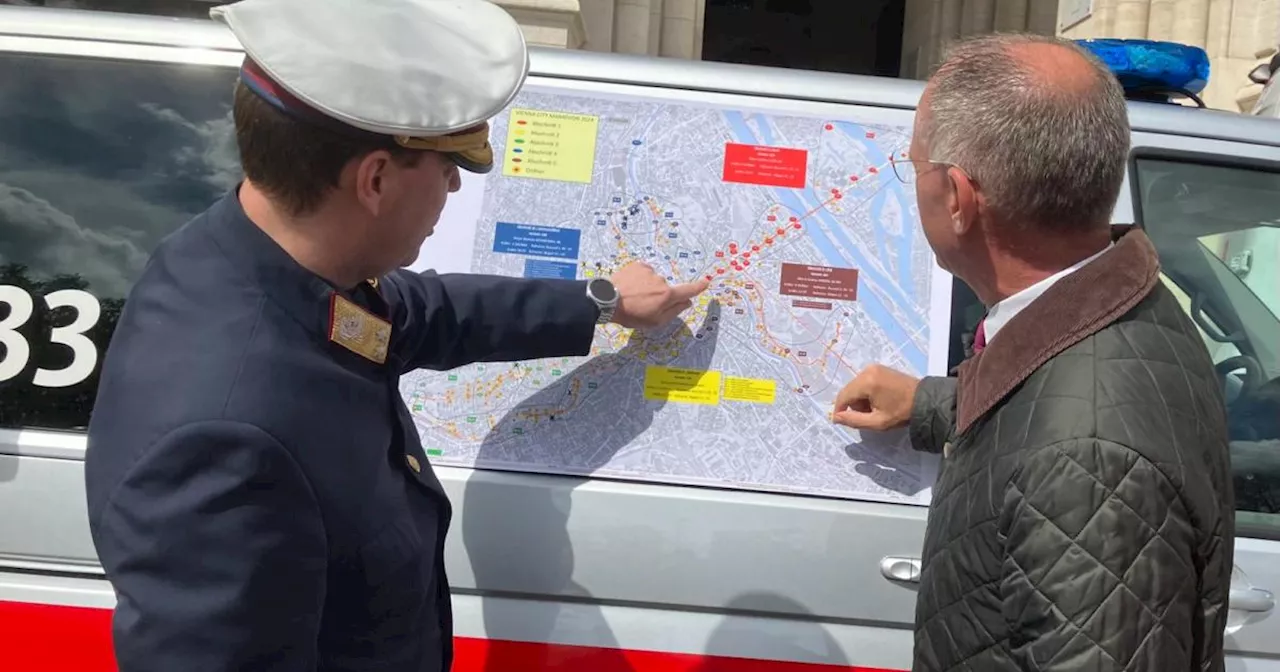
[[99, 160], [1217, 229]]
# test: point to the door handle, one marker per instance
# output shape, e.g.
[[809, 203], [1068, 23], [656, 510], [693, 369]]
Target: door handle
[[902, 568], [1251, 599]]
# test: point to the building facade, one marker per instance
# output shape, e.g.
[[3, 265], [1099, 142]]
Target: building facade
[[1237, 34], [671, 28], [902, 37]]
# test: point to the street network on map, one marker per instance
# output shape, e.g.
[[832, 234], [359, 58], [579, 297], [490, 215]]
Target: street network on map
[[819, 269]]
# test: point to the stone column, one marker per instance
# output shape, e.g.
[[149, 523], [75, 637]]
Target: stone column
[[597, 17], [631, 26], [1160, 19], [977, 17], [1191, 22], [1011, 15], [1042, 17], [931, 25], [679, 29], [655, 27], [548, 23], [1131, 18], [699, 27]]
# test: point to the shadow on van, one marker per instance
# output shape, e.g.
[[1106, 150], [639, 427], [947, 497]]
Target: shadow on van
[[793, 639], [517, 535], [877, 455]]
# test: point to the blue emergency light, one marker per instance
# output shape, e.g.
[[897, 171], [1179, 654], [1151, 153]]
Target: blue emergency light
[[1152, 70]]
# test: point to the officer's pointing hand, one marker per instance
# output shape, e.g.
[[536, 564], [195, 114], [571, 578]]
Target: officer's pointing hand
[[878, 398], [646, 300]]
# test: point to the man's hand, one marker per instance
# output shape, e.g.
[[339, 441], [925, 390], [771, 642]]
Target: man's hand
[[646, 300], [879, 398]]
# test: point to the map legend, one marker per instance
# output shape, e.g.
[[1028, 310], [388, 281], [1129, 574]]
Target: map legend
[[765, 166], [551, 145]]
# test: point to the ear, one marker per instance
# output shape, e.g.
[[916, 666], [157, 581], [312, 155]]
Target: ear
[[373, 180], [964, 202]]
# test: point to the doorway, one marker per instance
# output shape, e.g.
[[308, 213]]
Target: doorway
[[856, 37]]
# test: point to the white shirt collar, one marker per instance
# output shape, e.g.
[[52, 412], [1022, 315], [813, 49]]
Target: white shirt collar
[[1003, 311]]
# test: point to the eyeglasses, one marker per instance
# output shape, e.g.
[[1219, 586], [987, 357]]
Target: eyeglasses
[[904, 167]]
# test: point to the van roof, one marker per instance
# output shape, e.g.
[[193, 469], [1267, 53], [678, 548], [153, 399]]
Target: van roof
[[626, 69]]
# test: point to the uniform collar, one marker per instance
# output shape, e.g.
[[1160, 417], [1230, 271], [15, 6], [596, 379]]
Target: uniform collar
[[302, 294], [1006, 310], [1079, 305]]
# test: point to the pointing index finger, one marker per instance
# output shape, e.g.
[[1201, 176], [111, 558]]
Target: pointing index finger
[[851, 394], [688, 290]]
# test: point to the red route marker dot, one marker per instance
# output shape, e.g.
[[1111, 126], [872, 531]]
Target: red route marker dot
[[720, 253], [873, 170], [793, 218], [871, 134], [853, 178], [839, 196], [772, 218], [746, 263], [755, 248], [795, 224], [829, 127], [719, 271], [768, 241], [709, 277], [746, 255]]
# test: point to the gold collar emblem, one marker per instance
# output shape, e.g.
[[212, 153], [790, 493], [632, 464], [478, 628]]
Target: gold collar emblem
[[358, 330]]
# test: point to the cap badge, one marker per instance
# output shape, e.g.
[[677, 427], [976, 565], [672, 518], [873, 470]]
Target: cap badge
[[358, 330]]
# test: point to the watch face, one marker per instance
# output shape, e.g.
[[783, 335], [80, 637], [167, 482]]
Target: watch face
[[603, 291]]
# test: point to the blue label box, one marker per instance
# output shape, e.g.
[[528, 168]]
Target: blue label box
[[536, 241], [542, 268]]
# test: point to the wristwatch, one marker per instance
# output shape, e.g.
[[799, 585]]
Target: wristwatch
[[605, 296]]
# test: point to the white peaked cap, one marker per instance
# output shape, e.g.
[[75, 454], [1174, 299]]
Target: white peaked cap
[[429, 73]]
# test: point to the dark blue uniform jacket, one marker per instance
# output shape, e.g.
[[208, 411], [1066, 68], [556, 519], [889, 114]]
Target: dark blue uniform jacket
[[251, 485]]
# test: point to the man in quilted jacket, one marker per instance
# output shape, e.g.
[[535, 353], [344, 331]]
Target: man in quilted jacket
[[1083, 514]]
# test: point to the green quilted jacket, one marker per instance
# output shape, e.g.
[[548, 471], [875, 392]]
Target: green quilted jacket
[[1083, 514]]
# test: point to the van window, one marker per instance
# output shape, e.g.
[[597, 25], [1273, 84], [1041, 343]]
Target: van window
[[99, 160], [1217, 228]]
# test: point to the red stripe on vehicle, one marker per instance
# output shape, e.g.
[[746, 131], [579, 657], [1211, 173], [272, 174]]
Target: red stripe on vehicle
[[45, 638], [487, 655]]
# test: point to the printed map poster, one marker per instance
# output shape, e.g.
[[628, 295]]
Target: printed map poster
[[820, 268]]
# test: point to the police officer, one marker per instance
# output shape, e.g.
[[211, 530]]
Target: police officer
[[257, 491]]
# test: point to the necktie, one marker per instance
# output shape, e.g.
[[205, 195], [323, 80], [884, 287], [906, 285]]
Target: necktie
[[980, 337]]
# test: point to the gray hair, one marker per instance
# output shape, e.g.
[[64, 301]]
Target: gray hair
[[1045, 156]]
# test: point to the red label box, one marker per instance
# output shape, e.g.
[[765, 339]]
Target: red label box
[[765, 166]]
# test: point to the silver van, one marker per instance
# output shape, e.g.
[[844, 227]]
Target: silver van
[[782, 546]]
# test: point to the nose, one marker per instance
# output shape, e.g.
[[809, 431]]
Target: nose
[[455, 179]]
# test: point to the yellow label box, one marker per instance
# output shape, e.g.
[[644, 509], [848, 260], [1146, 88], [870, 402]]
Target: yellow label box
[[690, 386], [754, 390]]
